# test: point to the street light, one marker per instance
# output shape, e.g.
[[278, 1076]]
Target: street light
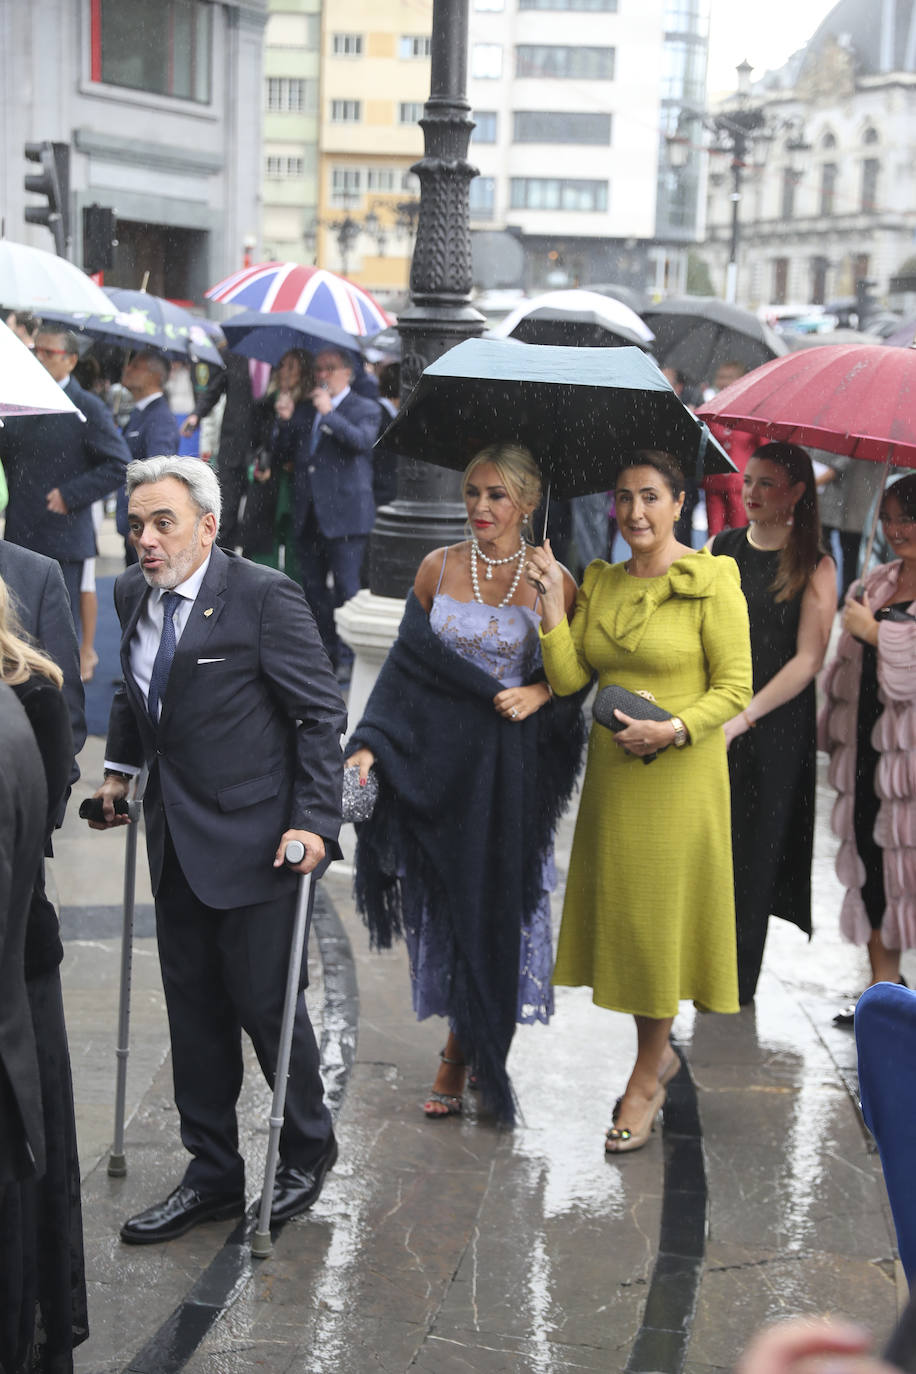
[[735, 133]]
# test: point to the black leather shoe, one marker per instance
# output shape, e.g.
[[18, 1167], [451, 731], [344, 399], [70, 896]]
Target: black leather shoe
[[296, 1190], [181, 1210]]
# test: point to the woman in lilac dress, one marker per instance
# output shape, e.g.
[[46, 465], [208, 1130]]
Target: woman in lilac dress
[[475, 763]]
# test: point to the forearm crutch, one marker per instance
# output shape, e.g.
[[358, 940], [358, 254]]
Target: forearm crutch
[[117, 1162], [261, 1244]]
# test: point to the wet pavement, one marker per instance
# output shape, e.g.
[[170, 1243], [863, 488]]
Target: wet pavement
[[454, 1246]]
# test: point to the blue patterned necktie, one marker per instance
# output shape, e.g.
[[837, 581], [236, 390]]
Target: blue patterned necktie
[[162, 664]]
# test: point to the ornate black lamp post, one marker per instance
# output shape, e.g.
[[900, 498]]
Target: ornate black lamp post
[[427, 510]]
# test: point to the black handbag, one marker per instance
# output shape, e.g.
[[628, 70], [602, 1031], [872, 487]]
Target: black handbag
[[614, 698]]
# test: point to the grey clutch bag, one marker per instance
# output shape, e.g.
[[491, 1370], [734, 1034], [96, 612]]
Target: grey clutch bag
[[358, 802]]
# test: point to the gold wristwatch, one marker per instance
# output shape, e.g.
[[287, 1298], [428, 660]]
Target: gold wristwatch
[[680, 732]]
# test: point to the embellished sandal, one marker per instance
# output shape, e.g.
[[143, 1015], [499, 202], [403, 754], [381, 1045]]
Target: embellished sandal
[[664, 1078], [620, 1141], [454, 1105]]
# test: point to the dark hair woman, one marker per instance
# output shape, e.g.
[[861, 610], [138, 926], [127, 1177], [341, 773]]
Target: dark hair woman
[[790, 586], [649, 914], [869, 727], [268, 533], [475, 764]]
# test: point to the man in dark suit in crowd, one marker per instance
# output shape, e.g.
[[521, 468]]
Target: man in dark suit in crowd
[[334, 505], [229, 700], [235, 438], [40, 601], [23, 808], [151, 428], [57, 465]]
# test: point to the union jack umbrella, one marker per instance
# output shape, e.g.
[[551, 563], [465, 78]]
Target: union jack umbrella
[[286, 286]]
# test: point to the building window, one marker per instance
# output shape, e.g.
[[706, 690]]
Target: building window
[[829, 177], [279, 168], [346, 184], [584, 64], [818, 281], [870, 136], [347, 45], [414, 45], [547, 126], [487, 61], [557, 193], [608, 5], [409, 111], [870, 168], [787, 198], [485, 125], [346, 111], [780, 281], [482, 197], [162, 48], [380, 179], [285, 95]]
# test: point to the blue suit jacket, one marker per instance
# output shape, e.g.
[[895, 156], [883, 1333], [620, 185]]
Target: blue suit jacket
[[337, 477], [43, 608], [248, 740], [84, 460], [148, 433]]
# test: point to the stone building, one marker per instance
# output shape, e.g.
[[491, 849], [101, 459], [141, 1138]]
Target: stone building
[[828, 199]]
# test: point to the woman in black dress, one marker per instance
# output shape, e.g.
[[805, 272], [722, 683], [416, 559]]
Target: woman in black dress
[[42, 1280], [790, 586]]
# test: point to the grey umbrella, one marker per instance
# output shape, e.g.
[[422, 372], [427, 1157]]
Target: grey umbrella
[[697, 334]]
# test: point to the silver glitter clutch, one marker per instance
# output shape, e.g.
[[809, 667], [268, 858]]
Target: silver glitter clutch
[[358, 802]]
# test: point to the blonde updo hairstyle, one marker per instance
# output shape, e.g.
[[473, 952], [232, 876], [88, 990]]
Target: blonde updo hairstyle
[[517, 471]]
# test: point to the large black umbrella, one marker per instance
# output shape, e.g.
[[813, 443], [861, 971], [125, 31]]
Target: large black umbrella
[[697, 334], [581, 412], [267, 335]]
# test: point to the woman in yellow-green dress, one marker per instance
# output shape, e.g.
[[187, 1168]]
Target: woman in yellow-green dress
[[649, 914]]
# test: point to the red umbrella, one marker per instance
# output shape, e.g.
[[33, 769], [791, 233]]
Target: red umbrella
[[849, 399]]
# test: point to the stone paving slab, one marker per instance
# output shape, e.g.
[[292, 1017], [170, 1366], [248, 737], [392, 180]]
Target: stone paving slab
[[453, 1246]]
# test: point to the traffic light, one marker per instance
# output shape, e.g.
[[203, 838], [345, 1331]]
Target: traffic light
[[52, 182], [98, 238]]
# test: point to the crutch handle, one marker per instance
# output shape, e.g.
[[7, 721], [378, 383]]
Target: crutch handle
[[294, 852]]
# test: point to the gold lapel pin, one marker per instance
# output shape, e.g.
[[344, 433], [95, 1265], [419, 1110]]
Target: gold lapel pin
[[208, 612]]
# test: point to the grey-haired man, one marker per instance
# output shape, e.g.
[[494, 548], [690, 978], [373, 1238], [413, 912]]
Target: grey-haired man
[[230, 701]]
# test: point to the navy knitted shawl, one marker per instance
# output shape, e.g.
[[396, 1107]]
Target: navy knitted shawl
[[467, 806]]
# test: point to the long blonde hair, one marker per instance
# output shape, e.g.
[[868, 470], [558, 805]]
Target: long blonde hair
[[19, 659]]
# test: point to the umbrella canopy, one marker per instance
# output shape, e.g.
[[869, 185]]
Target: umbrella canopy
[[287, 287], [904, 337], [697, 334], [849, 399], [832, 336], [574, 317], [31, 279], [259, 334], [581, 412], [135, 319], [627, 295], [25, 387]]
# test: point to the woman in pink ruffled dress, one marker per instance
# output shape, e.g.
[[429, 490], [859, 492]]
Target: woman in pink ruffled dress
[[869, 728]]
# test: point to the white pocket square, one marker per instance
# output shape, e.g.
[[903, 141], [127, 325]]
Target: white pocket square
[[211, 660]]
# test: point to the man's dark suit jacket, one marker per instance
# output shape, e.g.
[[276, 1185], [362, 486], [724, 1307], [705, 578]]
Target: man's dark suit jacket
[[248, 741], [148, 433], [84, 460], [236, 431], [43, 608], [23, 804], [337, 477]]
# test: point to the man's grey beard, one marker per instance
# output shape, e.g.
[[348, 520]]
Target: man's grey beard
[[179, 565]]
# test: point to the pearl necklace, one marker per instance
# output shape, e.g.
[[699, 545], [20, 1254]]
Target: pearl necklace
[[518, 558]]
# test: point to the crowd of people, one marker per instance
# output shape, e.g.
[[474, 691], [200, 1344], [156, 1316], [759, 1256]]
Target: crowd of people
[[695, 821]]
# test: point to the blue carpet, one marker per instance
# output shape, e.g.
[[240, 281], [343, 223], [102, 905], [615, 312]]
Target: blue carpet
[[108, 647]]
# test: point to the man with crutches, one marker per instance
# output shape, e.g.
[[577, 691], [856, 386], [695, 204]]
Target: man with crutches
[[230, 701]]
